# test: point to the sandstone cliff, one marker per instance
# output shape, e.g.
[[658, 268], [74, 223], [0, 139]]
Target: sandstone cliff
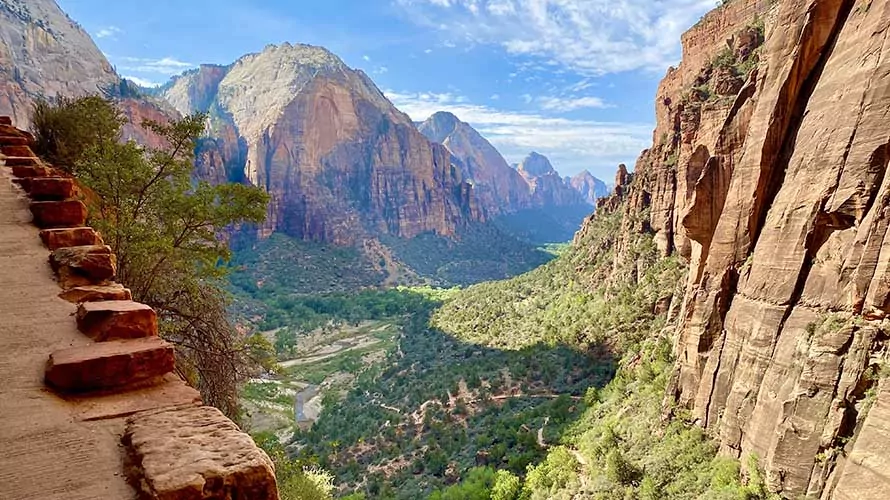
[[767, 174], [499, 187], [43, 53], [338, 159]]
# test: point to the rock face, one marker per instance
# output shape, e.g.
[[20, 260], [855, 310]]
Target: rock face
[[499, 187], [44, 53], [547, 187], [590, 188], [767, 175], [338, 159]]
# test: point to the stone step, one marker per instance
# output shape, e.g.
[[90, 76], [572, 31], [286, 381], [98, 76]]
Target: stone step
[[17, 150], [28, 171], [196, 453], [108, 365], [95, 293], [18, 161], [49, 188], [15, 140], [83, 265], [58, 214], [116, 319], [70, 237]]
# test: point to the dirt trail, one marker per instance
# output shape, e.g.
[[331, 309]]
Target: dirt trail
[[47, 453]]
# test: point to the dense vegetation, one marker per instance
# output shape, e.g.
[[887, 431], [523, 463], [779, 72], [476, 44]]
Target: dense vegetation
[[508, 390], [479, 252]]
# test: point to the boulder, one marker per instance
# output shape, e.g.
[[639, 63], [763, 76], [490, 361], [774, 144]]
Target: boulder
[[83, 265], [196, 453], [116, 319], [108, 365], [55, 214], [94, 293], [70, 237]]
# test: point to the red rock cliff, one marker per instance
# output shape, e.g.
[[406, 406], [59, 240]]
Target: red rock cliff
[[338, 159], [767, 174]]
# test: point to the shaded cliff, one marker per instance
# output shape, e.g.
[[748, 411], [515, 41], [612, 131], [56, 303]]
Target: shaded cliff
[[590, 188], [338, 159], [43, 53], [547, 187], [499, 187], [767, 174]]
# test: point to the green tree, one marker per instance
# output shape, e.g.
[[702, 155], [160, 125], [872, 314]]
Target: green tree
[[506, 486], [166, 229]]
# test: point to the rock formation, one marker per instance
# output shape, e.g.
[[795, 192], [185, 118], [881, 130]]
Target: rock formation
[[43, 53], [338, 159], [767, 175], [547, 187], [500, 188], [590, 188]]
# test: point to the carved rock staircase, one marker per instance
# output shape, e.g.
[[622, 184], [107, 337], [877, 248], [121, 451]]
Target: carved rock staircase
[[119, 376]]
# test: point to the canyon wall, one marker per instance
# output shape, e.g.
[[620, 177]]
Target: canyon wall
[[767, 175]]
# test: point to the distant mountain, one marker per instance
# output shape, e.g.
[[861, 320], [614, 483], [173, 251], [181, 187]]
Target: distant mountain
[[340, 161], [500, 188], [547, 187], [590, 188]]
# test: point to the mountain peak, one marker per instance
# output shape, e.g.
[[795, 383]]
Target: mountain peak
[[439, 126], [536, 165]]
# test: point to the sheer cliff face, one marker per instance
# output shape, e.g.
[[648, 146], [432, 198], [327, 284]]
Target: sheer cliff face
[[547, 187], [499, 187], [44, 53], [338, 159], [769, 179]]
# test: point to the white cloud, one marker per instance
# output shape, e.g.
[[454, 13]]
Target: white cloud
[[563, 104], [590, 37], [495, 97], [381, 70], [167, 66], [572, 145], [108, 31], [428, 51], [141, 81], [366, 58]]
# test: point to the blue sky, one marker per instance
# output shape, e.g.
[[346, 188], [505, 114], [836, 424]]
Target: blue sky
[[572, 79]]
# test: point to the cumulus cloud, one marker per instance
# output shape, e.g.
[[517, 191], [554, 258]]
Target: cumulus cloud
[[167, 66], [590, 37], [572, 145]]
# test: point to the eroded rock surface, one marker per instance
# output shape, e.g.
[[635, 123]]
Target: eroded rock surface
[[197, 454], [768, 175]]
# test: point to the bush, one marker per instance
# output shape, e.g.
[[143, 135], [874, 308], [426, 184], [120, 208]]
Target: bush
[[66, 129]]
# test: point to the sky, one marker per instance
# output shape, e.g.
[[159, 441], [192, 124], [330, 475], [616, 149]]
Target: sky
[[574, 80]]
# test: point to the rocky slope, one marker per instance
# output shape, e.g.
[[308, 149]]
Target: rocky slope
[[547, 187], [499, 187], [44, 53], [767, 174], [338, 159], [590, 188]]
